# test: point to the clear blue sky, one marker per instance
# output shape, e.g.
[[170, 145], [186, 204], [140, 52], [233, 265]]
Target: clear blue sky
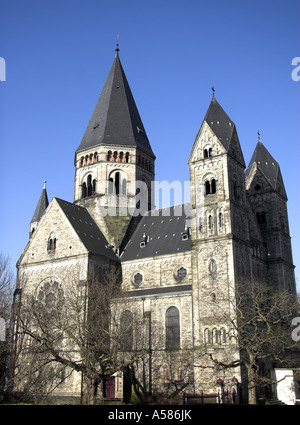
[[58, 55]]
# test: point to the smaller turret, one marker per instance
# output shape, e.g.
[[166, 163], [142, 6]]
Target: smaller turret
[[39, 210]]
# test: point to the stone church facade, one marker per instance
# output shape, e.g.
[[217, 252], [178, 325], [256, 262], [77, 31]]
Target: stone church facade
[[180, 265]]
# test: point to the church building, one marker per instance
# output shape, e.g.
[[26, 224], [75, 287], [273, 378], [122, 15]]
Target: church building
[[180, 266]]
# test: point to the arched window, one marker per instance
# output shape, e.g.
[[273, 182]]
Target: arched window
[[210, 187], [109, 156], [216, 336], [220, 220], [124, 186], [89, 185], [111, 185], [207, 187], [115, 156], [126, 330], [51, 245], [207, 336], [205, 153], [223, 336], [83, 190], [213, 186], [82, 161], [122, 159], [210, 152], [200, 224], [127, 156], [172, 329], [210, 222], [212, 266], [117, 183]]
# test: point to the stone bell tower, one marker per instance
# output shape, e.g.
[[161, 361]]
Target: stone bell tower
[[113, 156], [219, 218]]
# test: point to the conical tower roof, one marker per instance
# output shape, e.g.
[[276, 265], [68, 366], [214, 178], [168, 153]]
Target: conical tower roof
[[116, 120], [41, 206], [219, 122], [268, 166]]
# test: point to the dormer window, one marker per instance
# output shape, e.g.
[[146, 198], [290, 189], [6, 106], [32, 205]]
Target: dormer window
[[144, 240]]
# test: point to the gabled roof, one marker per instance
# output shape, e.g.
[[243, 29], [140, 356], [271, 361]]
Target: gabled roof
[[268, 167], [41, 206], [87, 230], [162, 232], [116, 120]]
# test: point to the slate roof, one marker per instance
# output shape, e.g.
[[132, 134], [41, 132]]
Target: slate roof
[[220, 123], [41, 206], [87, 230], [116, 120], [159, 234], [266, 164]]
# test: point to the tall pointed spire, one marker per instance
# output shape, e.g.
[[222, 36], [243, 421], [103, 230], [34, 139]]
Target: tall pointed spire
[[116, 120], [41, 205]]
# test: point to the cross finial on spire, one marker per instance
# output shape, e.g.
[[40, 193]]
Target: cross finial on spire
[[213, 91], [258, 134], [45, 181], [117, 48]]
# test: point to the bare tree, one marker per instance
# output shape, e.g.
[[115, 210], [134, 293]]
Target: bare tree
[[261, 328], [72, 329], [6, 296], [6, 287]]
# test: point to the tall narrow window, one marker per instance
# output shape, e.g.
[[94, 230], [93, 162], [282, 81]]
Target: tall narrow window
[[127, 157], [258, 217], [126, 330], [207, 187], [117, 183], [89, 185], [213, 186], [51, 246], [210, 152], [207, 336], [172, 329], [205, 153], [210, 222], [83, 190], [124, 186], [200, 225], [220, 220]]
